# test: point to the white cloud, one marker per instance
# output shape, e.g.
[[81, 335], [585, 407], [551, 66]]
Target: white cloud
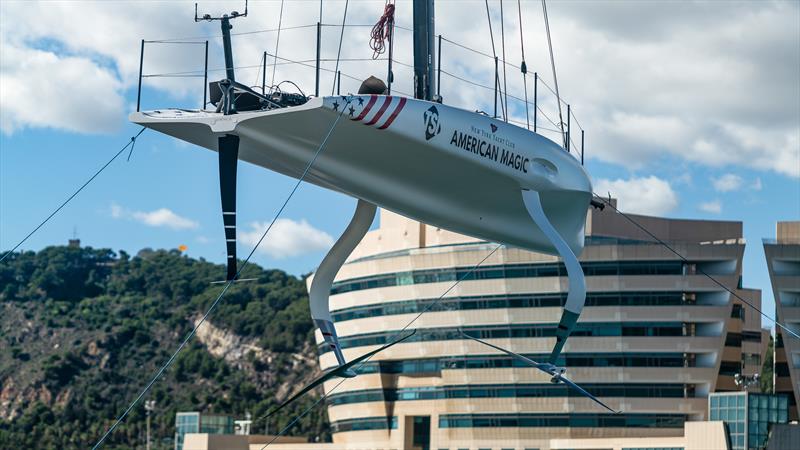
[[728, 182], [161, 217], [287, 238], [42, 89], [704, 82], [713, 207], [646, 195]]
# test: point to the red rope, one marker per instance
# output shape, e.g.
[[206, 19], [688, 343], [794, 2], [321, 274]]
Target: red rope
[[382, 31]]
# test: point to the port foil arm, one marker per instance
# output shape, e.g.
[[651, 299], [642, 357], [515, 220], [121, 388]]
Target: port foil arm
[[577, 283], [323, 278]]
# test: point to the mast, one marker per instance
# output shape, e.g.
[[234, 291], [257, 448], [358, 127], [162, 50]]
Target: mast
[[226, 47], [225, 24], [423, 50]]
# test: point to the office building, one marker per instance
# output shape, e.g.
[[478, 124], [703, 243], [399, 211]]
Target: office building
[[655, 339], [783, 261]]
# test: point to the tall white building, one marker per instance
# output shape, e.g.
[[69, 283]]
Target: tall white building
[[654, 339]]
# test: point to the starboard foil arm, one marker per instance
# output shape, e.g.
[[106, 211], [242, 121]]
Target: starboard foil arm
[[323, 278], [577, 283]]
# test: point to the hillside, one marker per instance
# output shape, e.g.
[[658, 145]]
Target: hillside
[[82, 330]]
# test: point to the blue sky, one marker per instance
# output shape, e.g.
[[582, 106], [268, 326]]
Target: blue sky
[[691, 111]]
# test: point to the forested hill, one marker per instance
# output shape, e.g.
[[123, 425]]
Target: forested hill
[[82, 330]]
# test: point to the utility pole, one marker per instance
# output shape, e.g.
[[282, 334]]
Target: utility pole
[[149, 405]]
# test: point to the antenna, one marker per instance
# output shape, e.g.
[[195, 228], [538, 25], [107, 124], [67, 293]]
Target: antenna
[[226, 26], [208, 18]]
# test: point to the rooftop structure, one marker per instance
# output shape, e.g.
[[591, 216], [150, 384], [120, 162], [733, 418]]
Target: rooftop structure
[[655, 339], [197, 422], [748, 416]]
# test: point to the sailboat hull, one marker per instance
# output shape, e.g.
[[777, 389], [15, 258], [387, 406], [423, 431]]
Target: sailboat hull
[[441, 165]]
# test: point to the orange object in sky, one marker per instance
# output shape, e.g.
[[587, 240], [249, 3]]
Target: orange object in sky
[[183, 248]]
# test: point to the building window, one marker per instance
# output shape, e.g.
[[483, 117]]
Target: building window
[[527, 270], [562, 420], [540, 390], [468, 303], [364, 423], [589, 329]]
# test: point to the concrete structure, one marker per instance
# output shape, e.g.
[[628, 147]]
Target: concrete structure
[[696, 436], [205, 441], [655, 339], [748, 417], [783, 260]]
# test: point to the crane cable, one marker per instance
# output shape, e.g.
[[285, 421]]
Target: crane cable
[[277, 42], [227, 284], [555, 78], [699, 270], [494, 52], [523, 67], [116, 155], [503, 46], [394, 337], [339, 52]]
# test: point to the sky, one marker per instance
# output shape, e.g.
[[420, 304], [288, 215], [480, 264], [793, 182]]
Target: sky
[[690, 109]]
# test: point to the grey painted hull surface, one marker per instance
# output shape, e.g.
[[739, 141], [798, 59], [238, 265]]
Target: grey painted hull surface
[[428, 166]]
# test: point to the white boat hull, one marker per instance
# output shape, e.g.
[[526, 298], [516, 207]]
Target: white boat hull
[[444, 166]]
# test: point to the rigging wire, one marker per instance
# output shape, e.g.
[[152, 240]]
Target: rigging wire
[[503, 45], [494, 52], [538, 108], [553, 65], [201, 39], [339, 52], [262, 62], [98, 172], [277, 41], [523, 67], [699, 269], [393, 338], [227, 284]]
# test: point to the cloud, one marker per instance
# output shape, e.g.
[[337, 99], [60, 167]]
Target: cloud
[[757, 186], [647, 195], [713, 207], [161, 217], [287, 238], [710, 83], [42, 89], [728, 182]]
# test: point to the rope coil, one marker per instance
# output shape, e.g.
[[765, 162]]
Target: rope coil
[[382, 31]]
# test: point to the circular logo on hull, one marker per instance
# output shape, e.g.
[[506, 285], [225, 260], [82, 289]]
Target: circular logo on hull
[[432, 126]]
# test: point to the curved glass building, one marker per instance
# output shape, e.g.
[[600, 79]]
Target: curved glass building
[[656, 336]]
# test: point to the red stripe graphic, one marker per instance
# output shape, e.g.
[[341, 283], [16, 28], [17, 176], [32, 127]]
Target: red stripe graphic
[[394, 114], [365, 111], [377, 117]]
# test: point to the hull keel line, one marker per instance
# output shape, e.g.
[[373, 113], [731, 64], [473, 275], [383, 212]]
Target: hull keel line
[[323, 279], [577, 283]]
